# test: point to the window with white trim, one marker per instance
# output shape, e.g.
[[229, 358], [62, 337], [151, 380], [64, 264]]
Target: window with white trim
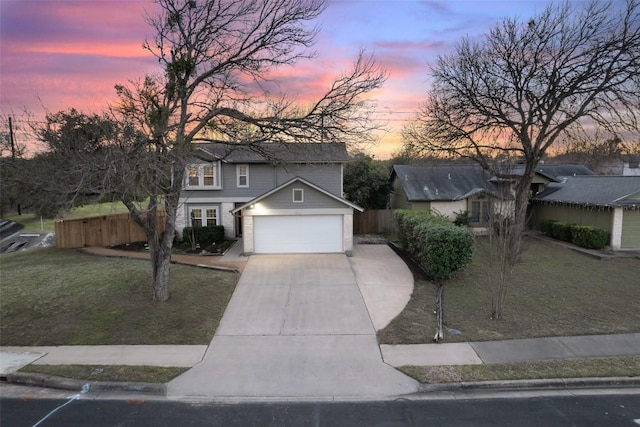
[[242, 173], [203, 216], [206, 176], [298, 195]]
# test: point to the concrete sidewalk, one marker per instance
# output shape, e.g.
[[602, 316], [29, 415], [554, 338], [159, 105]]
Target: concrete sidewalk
[[508, 351], [512, 351]]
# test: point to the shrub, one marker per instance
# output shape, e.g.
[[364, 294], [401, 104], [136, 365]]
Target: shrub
[[462, 218], [589, 237], [546, 226], [561, 231], [204, 236], [435, 242]]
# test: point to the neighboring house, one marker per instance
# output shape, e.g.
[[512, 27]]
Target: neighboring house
[[277, 197], [611, 203], [450, 189], [620, 167], [547, 173], [446, 190]]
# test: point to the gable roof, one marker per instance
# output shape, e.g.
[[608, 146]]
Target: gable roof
[[292, 181], [553, 172], [593, 190], [423, 183], [273, 152]]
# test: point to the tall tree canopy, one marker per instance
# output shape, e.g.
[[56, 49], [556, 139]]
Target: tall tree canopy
[[515, 92], [366, 182]]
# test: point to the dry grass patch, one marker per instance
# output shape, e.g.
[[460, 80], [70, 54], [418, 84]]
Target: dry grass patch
[[146, 374], [67, 297], [573, 368], [554, 292]]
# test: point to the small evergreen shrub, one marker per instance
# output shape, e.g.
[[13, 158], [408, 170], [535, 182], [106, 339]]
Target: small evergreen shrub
[[204, 236], [589, 237], [462, 218], [435, 242]]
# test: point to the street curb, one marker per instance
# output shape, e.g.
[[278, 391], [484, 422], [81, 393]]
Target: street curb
[[61, 383], [553, 383]]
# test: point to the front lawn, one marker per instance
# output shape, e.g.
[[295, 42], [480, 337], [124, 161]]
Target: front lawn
[[68, 297], [554, 292]]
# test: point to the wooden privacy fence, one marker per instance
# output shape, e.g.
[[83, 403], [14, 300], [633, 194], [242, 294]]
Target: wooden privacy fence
[[109, 230], [380, 221]]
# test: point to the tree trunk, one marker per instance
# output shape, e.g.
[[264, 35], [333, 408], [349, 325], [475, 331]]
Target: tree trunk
[[160, 265]]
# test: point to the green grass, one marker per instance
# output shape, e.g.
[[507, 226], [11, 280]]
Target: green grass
[[68, 297], [147, 374], [554, 292], [572, 368], [33, 223]]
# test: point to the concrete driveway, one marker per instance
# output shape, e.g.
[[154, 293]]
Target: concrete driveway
[[296, 327]]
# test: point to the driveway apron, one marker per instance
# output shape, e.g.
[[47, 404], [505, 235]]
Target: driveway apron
[[296, 327]]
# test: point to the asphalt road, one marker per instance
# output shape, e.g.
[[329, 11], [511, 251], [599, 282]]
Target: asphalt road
[[549, 411]]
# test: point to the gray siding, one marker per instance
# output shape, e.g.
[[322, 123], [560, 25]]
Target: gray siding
[[264, 177], [313, 199], [325, 176]]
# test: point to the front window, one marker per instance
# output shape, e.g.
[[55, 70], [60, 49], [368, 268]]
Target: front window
[[298, 195], [203, 216], [203, 176], [480, 211]]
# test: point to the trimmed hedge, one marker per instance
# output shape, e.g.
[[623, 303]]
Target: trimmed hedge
[[435, 242], [581, 235], [204, 236], [561, 231], [589, 237]]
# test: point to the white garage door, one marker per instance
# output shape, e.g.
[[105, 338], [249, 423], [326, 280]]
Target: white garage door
[[297, 234]]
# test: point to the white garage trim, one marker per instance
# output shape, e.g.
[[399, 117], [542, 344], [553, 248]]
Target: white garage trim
[[298, 234]]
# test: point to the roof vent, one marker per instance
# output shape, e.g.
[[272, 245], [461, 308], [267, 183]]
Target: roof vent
[[436, 191], [449, 176], [425, 189]]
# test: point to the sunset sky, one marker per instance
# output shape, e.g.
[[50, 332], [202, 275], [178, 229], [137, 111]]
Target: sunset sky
[[59, 54]]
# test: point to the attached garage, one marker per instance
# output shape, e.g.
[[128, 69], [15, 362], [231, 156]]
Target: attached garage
[[630, 238], [297, 217], [298, 234]]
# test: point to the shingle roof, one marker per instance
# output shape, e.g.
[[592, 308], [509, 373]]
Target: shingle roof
[[276, 152], [594, 190], [444, 182], [554, 172]]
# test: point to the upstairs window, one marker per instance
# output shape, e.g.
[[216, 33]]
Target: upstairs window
[[298, 195], [205, 176], [242, 172]]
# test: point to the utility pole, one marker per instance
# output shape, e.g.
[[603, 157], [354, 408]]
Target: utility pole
[[13, 144], [13, 155]]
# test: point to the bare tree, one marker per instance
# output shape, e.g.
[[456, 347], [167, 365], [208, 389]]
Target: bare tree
[[597, 148], [518, 90], [216, 59]]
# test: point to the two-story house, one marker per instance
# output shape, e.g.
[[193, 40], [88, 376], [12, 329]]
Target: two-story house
[[276, 197]]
